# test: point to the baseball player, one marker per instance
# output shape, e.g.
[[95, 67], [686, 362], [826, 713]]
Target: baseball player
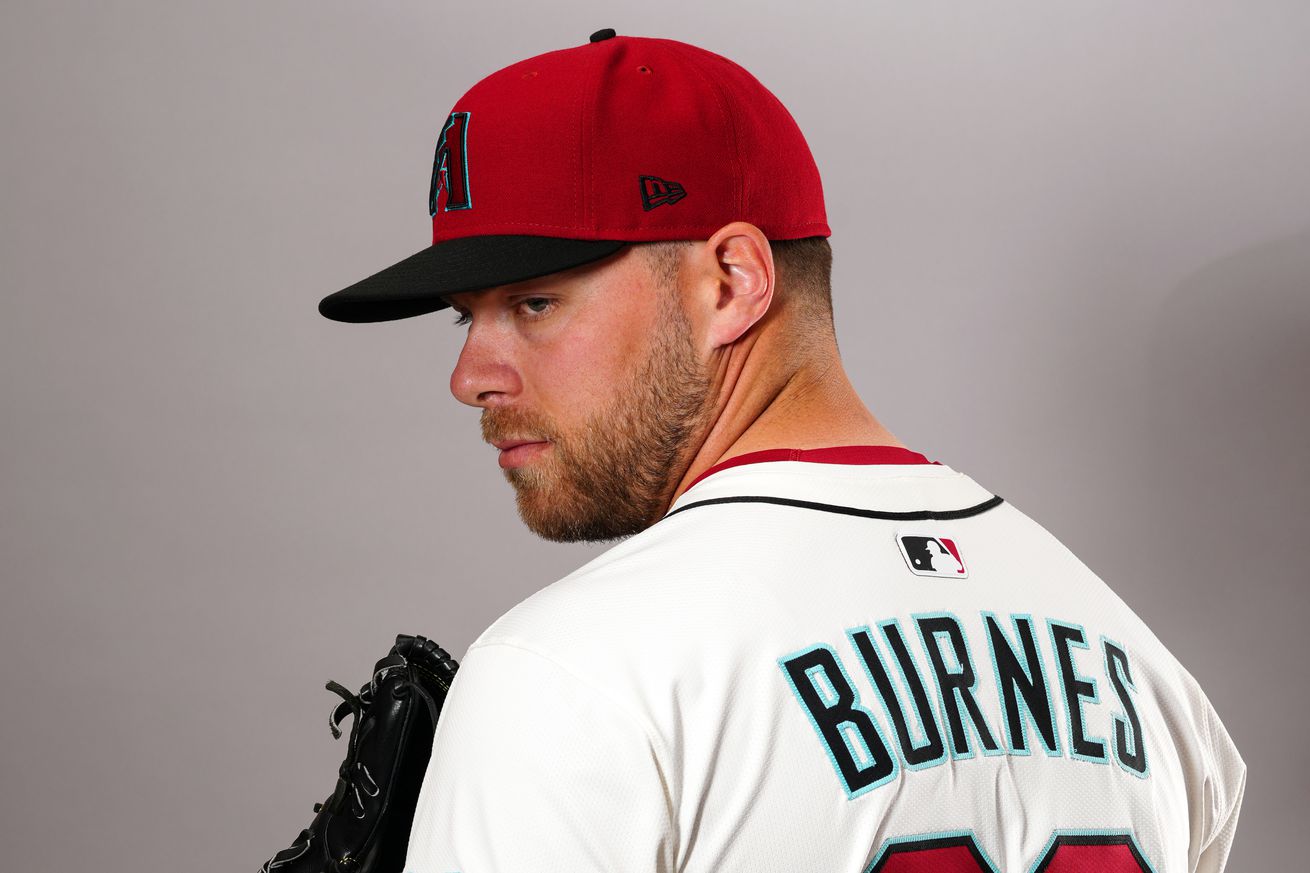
[[814, 648]]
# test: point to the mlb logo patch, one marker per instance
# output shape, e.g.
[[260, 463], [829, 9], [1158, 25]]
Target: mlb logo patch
[[932, 554]]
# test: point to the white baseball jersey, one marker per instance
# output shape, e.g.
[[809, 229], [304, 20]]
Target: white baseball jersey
[[844, 659]]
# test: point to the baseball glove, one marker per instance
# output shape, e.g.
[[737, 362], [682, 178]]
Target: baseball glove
[[363, 827]]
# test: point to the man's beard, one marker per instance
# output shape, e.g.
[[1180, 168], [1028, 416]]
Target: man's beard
[[612, 476]]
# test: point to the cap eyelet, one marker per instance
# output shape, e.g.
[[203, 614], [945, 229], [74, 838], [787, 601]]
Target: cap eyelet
[[643, 69]]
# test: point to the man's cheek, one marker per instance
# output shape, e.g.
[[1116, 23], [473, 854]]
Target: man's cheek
[[582, 370]]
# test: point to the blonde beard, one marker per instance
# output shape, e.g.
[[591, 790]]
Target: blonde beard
[[614, 475]]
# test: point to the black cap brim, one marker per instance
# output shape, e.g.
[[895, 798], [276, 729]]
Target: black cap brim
[[413, 286]]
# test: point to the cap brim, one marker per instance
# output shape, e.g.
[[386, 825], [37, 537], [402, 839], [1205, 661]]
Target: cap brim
[[415, 285]]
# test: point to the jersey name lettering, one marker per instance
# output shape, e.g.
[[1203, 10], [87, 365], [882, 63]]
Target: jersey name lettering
[[929, 692]]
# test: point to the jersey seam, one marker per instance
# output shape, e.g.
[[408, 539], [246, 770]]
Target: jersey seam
[[1221, 778], [1232, 807], [824, 474], [825, 469], [851, 511]]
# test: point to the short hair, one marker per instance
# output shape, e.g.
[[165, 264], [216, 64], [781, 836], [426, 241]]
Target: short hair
[[803, 267]]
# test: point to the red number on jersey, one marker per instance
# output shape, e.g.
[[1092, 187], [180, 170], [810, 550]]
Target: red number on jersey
[[1111, 853], [1066, 853]]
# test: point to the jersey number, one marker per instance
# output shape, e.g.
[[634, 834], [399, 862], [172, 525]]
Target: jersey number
[[1065, 853]]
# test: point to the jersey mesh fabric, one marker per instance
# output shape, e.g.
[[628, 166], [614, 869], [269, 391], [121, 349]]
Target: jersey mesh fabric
[[639, 714]]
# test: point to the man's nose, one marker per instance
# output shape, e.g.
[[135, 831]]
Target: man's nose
[[484, 375]]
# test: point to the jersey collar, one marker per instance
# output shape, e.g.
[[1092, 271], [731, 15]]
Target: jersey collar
[[829, 455], [877, 481]]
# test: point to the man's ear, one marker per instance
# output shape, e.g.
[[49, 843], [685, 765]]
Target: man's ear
[[733, 284]]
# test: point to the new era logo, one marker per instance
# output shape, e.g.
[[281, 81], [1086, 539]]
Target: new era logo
[[928, 555], [656, 192]]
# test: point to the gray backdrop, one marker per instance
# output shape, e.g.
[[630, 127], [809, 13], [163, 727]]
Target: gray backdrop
[[212, 500]]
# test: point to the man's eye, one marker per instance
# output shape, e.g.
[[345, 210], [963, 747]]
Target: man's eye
[[464, 318], [536, 305]]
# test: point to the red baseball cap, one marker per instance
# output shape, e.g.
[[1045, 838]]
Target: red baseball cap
[[564, 158]]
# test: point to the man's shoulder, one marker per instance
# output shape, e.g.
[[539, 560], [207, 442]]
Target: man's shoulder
[[732, 556], [657, 578]]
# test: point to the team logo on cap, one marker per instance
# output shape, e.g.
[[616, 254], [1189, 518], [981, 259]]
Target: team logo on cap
[[450, 167], [656, 192], [928, 555]]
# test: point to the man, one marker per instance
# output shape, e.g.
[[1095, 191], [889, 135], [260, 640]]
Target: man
[[815, 650]]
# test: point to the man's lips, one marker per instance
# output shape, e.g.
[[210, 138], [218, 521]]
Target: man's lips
[[506, 445], [516, 453]]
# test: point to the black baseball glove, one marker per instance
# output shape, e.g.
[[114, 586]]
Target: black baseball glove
[[364, 826]]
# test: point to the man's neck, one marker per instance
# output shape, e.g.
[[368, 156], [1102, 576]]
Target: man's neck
[[814, 407]]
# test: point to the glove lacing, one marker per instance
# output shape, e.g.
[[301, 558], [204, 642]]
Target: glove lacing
[[353, 776]]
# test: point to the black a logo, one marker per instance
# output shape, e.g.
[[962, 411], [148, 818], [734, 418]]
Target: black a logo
[[656, 192], [450, 167]]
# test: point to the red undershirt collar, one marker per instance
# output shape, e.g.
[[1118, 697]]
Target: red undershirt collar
[[829, 455]]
